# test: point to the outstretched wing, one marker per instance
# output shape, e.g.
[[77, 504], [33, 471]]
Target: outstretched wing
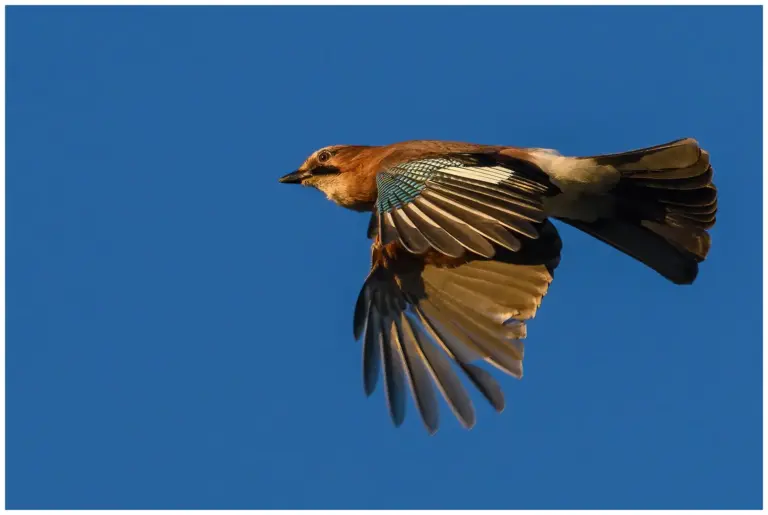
[[460, 202], [464, 258], [416, 317]]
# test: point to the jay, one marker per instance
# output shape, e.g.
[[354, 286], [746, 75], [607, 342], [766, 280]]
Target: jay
[[464, 248]]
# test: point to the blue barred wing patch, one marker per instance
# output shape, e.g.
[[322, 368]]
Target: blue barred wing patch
[[404, 182]]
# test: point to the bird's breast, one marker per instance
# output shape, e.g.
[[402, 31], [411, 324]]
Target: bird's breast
[[352, 191]]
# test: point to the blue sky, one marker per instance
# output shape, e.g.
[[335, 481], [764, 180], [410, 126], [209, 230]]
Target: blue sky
[[179, 324]]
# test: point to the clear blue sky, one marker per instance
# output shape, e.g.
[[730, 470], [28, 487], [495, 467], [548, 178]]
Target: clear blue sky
[[179, 324]]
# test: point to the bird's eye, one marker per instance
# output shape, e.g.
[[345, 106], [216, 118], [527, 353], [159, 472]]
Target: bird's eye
[[323, 156]]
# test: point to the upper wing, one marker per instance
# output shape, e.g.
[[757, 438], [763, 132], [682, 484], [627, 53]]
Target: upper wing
[[428, 302], [458, 202]]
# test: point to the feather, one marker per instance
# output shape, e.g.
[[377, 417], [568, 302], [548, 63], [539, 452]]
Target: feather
[[436, 235], [464, 234], [517, 208], [410, 237], [691, 183], [700, 197], [693, 198], [531, 280], [394, 387], [373, 225], [455, 343], [690, 239], [669, 171], [446, 380], [499, 192], [487, 385], [417, 373], [490, 349], [488, 174], [510, 219], [482, 380], [503, 357], [679, 219], [497, 175], [710, 209], [371, 350], [461, 303], [495, 312], [361, 312], [537, 274], [493, 338], [518, 303], [482, 223], [523, 185], [388, 230], [676, 154]]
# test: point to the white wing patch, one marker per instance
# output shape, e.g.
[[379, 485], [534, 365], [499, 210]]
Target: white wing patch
[[489, 174]]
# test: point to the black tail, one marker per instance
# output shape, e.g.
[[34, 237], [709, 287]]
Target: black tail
[[665, 203]]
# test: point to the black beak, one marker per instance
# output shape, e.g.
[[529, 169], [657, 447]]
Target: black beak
[[294, 177]]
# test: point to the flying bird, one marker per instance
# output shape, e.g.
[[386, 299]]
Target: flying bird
[[464, 248]]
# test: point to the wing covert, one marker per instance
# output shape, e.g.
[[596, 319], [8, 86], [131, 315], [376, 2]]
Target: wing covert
[[456, 203]]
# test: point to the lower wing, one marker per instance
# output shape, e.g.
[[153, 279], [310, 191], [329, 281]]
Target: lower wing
[[423, 317]]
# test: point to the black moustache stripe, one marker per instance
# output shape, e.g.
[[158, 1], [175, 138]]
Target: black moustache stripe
[[325, 170]]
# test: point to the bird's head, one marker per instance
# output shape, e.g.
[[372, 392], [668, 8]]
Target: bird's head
[[339, 171]]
